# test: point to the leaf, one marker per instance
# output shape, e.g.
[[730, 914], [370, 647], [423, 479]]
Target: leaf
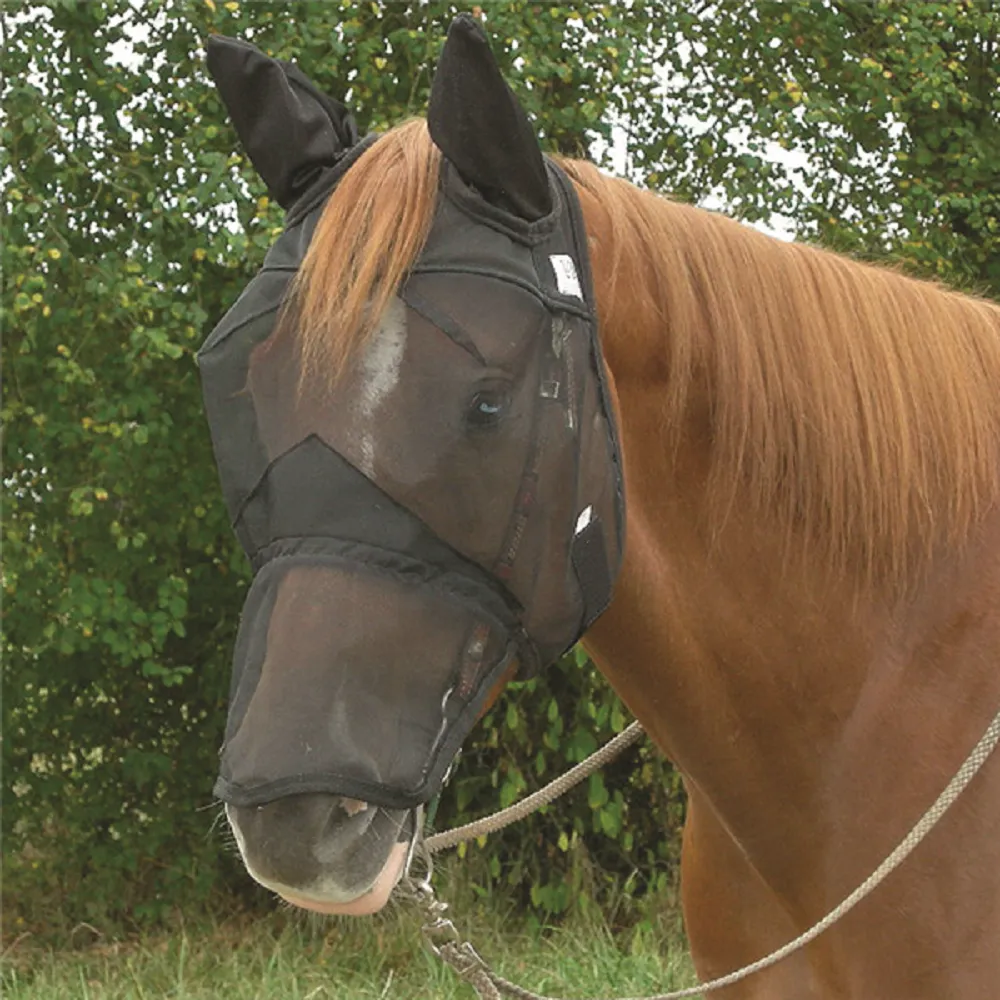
[[597, 793]]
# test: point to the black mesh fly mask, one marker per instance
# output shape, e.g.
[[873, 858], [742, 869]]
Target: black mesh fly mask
[[453, 505]]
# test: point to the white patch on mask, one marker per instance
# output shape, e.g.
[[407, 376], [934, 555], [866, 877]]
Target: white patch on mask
[[380, 367], [566, 278]]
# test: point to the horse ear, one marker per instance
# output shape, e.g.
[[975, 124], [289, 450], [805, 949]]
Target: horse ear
[[289, 129], [476, 121]]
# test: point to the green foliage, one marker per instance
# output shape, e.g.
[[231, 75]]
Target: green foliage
[[121, 586], [894, 105], [131, 222], [620, 824]]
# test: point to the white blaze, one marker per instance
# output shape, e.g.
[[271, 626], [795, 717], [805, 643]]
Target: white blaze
[[380, 369]]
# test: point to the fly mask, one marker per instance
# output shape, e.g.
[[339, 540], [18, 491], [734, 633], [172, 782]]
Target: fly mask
[[452, 504]]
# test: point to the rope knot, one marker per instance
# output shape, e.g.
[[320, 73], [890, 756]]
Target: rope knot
[[468, 964]]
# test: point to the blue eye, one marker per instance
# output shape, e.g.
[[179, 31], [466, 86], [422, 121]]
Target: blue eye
[[487, 407]]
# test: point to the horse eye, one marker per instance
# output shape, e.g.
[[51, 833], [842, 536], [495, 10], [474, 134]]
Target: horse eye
[[487, 407]]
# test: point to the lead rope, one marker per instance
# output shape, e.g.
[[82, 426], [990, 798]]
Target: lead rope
[[444, 940], [550, 792]]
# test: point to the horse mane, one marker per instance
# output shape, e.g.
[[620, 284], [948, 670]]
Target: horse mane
[[372, 229], [857, 407]]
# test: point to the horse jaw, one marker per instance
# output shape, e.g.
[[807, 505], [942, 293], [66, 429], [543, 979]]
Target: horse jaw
[[368, 902]]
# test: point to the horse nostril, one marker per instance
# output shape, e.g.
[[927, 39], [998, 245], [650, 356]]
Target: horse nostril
[[353, 806]]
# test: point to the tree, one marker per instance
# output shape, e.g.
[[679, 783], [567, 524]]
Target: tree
[[893, 106]]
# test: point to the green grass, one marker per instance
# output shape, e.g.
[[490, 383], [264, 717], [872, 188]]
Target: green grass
[[291, 956]]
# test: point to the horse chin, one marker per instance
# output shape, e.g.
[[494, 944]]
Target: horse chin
[[325, 853], [369, 902]]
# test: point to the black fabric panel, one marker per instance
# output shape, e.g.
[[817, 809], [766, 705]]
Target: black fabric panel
[[457, 579], [579, 239], [477, 122], [316, 195], [341, 119], [288, 128], [590, 563], [290, 508], [530, 232]]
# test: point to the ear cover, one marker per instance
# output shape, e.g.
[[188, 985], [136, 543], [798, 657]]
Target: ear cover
[[289, 129], [476, 121]]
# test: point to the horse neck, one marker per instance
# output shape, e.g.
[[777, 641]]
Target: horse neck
[[714, 634], [748, 667]]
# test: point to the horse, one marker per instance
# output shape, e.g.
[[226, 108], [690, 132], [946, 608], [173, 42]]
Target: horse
[[807, 617]]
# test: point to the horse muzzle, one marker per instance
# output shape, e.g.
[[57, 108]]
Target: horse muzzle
[[325, 852]]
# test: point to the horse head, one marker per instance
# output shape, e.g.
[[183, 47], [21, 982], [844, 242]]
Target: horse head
[[416, 444]]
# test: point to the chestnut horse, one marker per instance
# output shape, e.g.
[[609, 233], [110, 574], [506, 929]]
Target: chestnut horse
[[808, 618]]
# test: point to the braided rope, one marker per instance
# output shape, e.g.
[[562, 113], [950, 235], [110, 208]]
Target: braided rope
[[500, 986], [551, 791], [472, 969]]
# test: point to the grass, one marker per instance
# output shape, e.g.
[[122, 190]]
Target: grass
[[293, 956]]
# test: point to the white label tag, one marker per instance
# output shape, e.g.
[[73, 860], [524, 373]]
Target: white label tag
[[565, 270]]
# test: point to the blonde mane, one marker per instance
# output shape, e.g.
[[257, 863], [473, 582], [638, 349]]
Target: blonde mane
[[858, 407], [371, 231]]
